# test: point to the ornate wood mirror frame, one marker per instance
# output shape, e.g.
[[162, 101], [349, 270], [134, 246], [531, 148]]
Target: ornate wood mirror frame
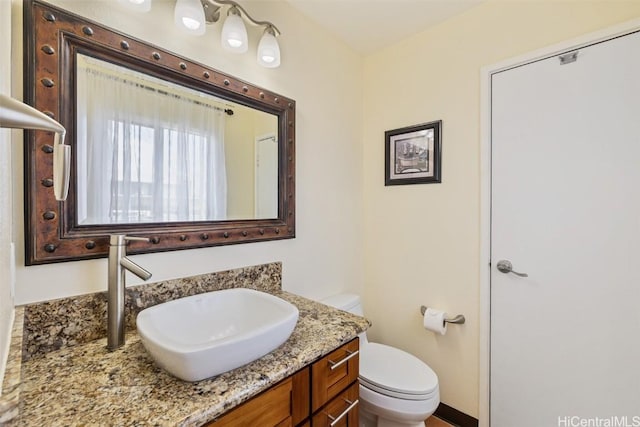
[[52, 37]]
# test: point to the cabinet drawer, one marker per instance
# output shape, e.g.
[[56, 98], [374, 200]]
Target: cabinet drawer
[[284, 405], [333, 373], [342, 411]]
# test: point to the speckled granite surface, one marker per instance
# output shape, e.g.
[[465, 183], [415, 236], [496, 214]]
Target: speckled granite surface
[[61, 375], [52, 325], [87, 385], [10, 399]]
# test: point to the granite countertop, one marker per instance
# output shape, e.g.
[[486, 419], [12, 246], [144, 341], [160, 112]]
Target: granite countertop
[[87, 385]]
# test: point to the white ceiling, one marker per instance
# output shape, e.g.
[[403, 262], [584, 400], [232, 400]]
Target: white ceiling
[[371, 25]]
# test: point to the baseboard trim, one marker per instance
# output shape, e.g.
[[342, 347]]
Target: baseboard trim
[[455, 417]]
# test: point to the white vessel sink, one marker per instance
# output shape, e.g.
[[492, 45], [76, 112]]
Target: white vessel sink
[[204, 335]]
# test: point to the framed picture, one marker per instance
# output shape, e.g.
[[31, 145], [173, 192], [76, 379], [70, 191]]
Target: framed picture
[[413, 154]]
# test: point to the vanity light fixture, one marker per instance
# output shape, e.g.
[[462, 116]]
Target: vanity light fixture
[[234, 33]]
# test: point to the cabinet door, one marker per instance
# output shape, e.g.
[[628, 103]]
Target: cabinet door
[[284, 405], [333, 373], [342, 411], [301, 396]]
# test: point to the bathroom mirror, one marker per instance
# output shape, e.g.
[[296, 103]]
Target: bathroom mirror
[[162, 147]]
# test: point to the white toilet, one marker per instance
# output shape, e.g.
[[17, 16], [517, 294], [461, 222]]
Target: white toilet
[[396, 388]]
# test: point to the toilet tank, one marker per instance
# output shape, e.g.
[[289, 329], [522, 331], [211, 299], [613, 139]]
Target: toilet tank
[[346, 302]]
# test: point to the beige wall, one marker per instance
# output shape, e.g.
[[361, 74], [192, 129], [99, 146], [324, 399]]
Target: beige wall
[[239, 159], [422, 241], [6, 285], [325, 257]]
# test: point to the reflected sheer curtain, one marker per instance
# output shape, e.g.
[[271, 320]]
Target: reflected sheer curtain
[[149, 154]]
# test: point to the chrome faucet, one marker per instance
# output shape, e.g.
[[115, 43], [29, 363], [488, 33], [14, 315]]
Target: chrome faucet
[[118, 264]]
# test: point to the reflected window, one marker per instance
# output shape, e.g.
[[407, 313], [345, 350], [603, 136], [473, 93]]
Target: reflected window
[[148, 151]]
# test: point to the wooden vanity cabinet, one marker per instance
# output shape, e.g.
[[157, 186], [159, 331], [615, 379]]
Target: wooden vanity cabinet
[[320, 394], [285, 404], [333, 373], [334, 387], [345, 403]]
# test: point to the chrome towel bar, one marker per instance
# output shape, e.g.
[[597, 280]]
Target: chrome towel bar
[[459, 319]]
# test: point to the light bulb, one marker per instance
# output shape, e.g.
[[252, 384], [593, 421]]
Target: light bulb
[[139, 5], [190, 23], [269, 50], [235, 41], [234, 33], [189, 16], [268, 57]]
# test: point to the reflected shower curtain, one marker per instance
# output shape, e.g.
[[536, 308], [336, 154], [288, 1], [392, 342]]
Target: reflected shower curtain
[[150, 155]]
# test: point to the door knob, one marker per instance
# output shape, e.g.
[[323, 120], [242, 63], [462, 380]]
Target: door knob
[[505, 266]]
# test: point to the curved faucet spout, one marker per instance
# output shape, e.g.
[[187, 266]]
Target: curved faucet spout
[[135, 268]]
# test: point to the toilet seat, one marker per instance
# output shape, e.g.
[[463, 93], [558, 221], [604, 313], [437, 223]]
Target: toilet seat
[[396, 373]]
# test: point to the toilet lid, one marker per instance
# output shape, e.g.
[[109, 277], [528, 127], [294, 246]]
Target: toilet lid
[[396, 373]]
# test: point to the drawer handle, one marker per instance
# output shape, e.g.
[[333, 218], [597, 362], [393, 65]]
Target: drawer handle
[[334, 365], [352, 405]]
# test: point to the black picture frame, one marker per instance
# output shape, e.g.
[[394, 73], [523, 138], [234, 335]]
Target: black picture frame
[[413, 154]]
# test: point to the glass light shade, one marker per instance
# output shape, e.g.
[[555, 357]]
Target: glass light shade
[[234, 34], [189, 16], [269, 51], [138, 5]]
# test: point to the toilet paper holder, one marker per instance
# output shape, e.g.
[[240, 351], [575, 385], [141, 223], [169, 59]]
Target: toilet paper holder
[[459, 319]]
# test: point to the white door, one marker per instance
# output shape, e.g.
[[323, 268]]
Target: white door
[[565, 341]]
